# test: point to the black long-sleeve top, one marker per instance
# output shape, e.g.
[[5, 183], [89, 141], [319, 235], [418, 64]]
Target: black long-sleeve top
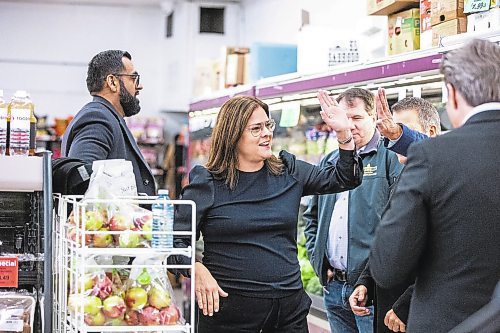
[[250, 232]]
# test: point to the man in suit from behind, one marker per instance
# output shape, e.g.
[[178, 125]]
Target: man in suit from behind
[[443, 220], [99, 131]]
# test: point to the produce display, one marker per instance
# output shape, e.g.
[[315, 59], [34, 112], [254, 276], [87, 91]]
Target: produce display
[[133, 222], [125, 297]]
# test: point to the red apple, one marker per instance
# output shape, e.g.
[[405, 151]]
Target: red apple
[[148, 226], [72, 236], [149, 316], [97, 319], [170, 315], [91, 305], [114, 307], [159, 298], [129, 239], [132, 318], [103, 240], [119, 223], [94, 220], [136, 298], [116, 322], [103, 286]]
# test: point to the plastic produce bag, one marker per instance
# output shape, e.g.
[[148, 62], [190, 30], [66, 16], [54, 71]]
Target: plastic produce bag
[[111, 179], [125, 297], [149, 296]]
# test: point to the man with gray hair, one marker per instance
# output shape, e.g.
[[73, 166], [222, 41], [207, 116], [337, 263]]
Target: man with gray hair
[[442, 220]]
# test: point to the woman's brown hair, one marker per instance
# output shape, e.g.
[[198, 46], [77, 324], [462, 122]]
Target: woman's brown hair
[[230, 126]]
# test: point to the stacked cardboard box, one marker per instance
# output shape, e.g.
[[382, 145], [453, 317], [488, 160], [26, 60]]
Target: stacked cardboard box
[[447, 18], [404, 23], [482, 17], [404, 32], [387, 7], [236, 66]]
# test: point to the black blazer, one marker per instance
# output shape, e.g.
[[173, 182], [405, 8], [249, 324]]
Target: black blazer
[[98, 132], [443, 223]]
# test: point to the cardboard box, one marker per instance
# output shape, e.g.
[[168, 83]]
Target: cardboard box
[[446, 10], [425, 16], [388, 7], [404, 32], [484, 21], [236, 66], [449, 28], [476, 6]]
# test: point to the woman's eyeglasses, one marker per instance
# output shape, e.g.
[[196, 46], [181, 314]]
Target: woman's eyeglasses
[[256, 129]]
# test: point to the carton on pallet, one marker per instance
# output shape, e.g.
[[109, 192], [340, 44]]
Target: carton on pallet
[[449, 28], [404, 32], [484, 21], [388, 7], [446, 10]]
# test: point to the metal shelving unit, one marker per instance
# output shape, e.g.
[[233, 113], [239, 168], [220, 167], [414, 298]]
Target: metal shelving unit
[[25, 220]]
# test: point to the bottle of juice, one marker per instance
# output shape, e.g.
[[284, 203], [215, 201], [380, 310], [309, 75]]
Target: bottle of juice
[[20, 113], [3, 125]]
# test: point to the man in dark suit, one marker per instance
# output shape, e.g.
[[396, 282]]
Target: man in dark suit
[[98, 131], [443, 220]]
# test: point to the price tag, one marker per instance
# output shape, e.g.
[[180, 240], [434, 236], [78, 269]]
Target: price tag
[[9, 269], [472, 6]]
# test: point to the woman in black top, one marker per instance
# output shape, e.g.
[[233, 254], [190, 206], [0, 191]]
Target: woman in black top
[[247, 202]]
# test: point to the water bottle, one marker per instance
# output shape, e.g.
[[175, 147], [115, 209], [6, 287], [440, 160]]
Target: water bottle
[[3, 125], [163, 220], [20, 116]]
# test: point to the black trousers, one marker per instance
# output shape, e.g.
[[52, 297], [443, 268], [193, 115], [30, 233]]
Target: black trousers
[[242, 314]]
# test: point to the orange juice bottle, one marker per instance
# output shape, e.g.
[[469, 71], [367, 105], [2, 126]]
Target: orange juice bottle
[[3, 125], [20, 114]]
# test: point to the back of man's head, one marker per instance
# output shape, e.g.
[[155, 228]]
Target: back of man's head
[[103, 64], [427, 113], [474, 71], [363, 94]]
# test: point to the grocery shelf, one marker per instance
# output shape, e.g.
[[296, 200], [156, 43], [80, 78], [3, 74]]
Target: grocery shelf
[[420, 63]]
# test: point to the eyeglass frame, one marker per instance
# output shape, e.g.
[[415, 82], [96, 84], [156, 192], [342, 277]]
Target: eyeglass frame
[[136, 76], [269, 124]]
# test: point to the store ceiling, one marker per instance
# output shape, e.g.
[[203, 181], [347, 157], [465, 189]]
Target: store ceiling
[[147, 3]]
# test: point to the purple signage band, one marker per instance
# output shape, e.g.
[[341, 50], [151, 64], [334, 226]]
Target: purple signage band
[[217, 102], [413, 66]]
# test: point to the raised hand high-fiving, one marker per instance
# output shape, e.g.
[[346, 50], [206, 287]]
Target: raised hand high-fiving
[[336, 117], [385, 123], [332, 114]]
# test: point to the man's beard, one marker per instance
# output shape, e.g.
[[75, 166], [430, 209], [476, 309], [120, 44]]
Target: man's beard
[[129, 103]]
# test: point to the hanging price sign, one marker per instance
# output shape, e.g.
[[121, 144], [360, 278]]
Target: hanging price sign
[[9, 269], [473, 6]]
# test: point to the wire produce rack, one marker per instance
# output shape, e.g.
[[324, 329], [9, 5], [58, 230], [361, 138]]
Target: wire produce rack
[[77, 256]]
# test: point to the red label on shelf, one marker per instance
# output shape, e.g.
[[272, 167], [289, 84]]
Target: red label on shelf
[[9, 268]]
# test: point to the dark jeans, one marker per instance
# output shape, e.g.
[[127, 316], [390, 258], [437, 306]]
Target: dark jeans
[[242, 314], [339, 313]]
